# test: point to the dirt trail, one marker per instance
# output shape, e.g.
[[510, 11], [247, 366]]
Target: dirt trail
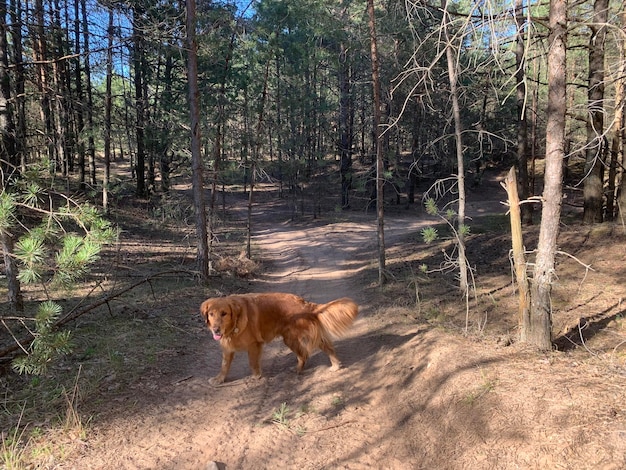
[[409, 395]]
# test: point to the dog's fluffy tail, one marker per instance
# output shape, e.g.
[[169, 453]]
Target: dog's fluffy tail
[[336, 317]]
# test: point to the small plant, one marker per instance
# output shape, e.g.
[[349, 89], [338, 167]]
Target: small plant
[[280, 416], [485, 387], [47, 344], [337, 400], [12, 456]]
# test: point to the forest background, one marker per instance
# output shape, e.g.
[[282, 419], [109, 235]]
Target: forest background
[[367, 101]]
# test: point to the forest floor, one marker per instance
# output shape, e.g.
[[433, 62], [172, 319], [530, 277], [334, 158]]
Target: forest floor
[[425, 383]]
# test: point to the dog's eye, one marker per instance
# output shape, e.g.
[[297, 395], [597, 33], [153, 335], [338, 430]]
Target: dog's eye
[[224, 314]]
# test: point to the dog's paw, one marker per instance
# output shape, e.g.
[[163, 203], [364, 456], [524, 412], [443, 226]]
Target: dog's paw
[[335, 366], [218, 380]]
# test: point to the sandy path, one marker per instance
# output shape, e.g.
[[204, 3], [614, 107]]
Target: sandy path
[[410, 396]]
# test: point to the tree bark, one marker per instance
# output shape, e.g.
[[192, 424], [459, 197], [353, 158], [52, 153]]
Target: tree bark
[[594, 164], [619, 136], [80, 96], [522, 114], [19, 85], [91, 146], [140, 119], [9, 160], [519, 255], [458, 134], [540, 327], [108, 104], [346, 129], [196, 157], [380, 177]]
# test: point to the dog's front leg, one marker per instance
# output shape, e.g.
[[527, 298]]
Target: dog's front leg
[[227, 359], [254, 358]]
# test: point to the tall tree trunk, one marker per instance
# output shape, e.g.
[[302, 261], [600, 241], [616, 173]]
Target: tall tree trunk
[[256, 154], [594, 164], [346, 118], [80, 96], [522, 113], [140, 118], [91, 146], [20, 94], [9, 163], [166, 139], [617, 143], [59, 93], [539, 329], [196, 156], [380, 176], [458, 134], [40, 52], [108, 104], [619, 137], [9, 159], [279, 125]]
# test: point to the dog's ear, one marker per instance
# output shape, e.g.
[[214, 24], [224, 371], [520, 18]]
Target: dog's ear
[[204, 309], [240, 314]]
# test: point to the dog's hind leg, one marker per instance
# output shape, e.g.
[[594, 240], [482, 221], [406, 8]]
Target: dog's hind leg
[[299, 350], [327, 346]]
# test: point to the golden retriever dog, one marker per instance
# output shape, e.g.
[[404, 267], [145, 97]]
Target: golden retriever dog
[[245, 322]]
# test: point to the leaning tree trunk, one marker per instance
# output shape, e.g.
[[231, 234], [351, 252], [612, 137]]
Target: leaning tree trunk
[[594, 165], [380, 181], [538, 331], [519, 252], [196, 157]]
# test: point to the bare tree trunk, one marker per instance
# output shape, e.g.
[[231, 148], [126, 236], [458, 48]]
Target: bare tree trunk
[[42, 77], [80, 98], [256, 154], [522, 113], [9, 160], [380, 177], [458, 133], [279, 125], [196, 156], [346, 129], [519, 256], [594, 165], [9, 164], [540, 328], [14, 290], [617, 144], [108, 104], [91, 146], [140, 119], [619, 136]]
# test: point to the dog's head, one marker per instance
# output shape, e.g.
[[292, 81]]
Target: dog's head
[[224, 316]]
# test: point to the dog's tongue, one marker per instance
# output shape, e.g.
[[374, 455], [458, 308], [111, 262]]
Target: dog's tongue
[[217, 337]]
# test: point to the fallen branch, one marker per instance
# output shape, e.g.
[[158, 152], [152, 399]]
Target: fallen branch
[[23, 343]]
